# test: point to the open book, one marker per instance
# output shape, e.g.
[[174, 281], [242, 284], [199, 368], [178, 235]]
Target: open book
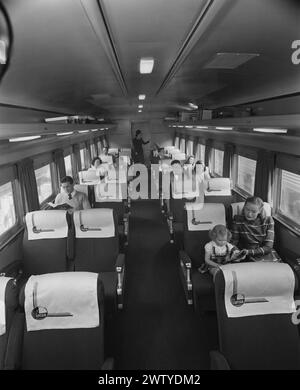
[[53, 206]]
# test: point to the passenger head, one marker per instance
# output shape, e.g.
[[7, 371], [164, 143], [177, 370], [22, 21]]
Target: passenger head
[[220, 235], [199, 166], [253, 207], [96, 162], [138, 134], [67, 184]]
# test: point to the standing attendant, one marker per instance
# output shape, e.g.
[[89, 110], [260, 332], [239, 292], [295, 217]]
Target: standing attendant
[[138, 153]]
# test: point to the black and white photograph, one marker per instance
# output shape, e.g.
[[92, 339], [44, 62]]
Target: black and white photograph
[[149, 190]]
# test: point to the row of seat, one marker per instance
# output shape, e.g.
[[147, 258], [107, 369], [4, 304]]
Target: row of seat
[[198, 287], [87, 240], [54, 322]]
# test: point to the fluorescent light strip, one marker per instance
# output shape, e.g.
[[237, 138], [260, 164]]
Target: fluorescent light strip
[[57, 119], [140, 111], [146, 65], [193, 106], [224, 128], [65, 133], [140, 106], [95, 130], [22, 139], [83, 131], [202, 127], [270, 130], [142, 97], [188, 127]]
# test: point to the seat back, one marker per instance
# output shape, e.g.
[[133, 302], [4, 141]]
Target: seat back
[[89, 177], [74, 340], [258, 341], [112, 195], [199, 219], [8, 306], [96, 240], [45, 242], [218, 191]]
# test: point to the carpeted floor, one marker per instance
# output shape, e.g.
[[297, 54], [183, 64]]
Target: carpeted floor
[[156, 329]]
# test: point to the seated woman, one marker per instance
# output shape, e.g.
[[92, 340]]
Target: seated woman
[[253, 232]]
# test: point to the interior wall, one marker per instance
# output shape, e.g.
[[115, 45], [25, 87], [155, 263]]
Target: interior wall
[[156, 129]]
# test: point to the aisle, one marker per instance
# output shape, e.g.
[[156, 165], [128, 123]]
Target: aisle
[[157, 330]]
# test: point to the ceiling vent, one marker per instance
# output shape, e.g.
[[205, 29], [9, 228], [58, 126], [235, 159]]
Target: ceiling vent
[[229, 60]]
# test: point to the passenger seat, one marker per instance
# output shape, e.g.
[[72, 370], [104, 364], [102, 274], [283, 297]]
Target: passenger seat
[[58, 330]]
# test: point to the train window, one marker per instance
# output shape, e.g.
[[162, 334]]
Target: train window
[[68, 165], [44, 182], [7, 208], [201, 152], [246, 174], [288, 205], [218, 156], [82, 158]]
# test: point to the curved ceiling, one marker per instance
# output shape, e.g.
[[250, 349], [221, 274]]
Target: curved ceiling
[[80, 57]]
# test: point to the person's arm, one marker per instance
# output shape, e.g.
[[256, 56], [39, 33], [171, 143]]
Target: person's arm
[[85, 203], [267, 244], [145, 142]]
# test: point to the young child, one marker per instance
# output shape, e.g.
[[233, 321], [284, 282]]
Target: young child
[[219, 251]]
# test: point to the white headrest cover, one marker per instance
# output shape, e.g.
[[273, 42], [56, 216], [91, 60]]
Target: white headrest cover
[[113, 150], [46, 224], [258, 288], [179, 156], [108, 192], [218, 187], [94, 223], [106, 158], [3, 283], [237, 208], [204, 216], [219, 183], [65, 300], [89, 177]]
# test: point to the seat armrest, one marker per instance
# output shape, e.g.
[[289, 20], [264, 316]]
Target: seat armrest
[[108, 364], [218, 361], [185, 259]]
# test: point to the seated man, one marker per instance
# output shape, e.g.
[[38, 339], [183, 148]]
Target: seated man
[[77, 200]]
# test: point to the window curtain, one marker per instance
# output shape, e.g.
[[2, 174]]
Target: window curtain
[[27, 181], [58, 159], [195, 148], [87, 154], [96, 147], [208, 149], [264, 174], [229, 151], [182, 144], [76, 162]]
